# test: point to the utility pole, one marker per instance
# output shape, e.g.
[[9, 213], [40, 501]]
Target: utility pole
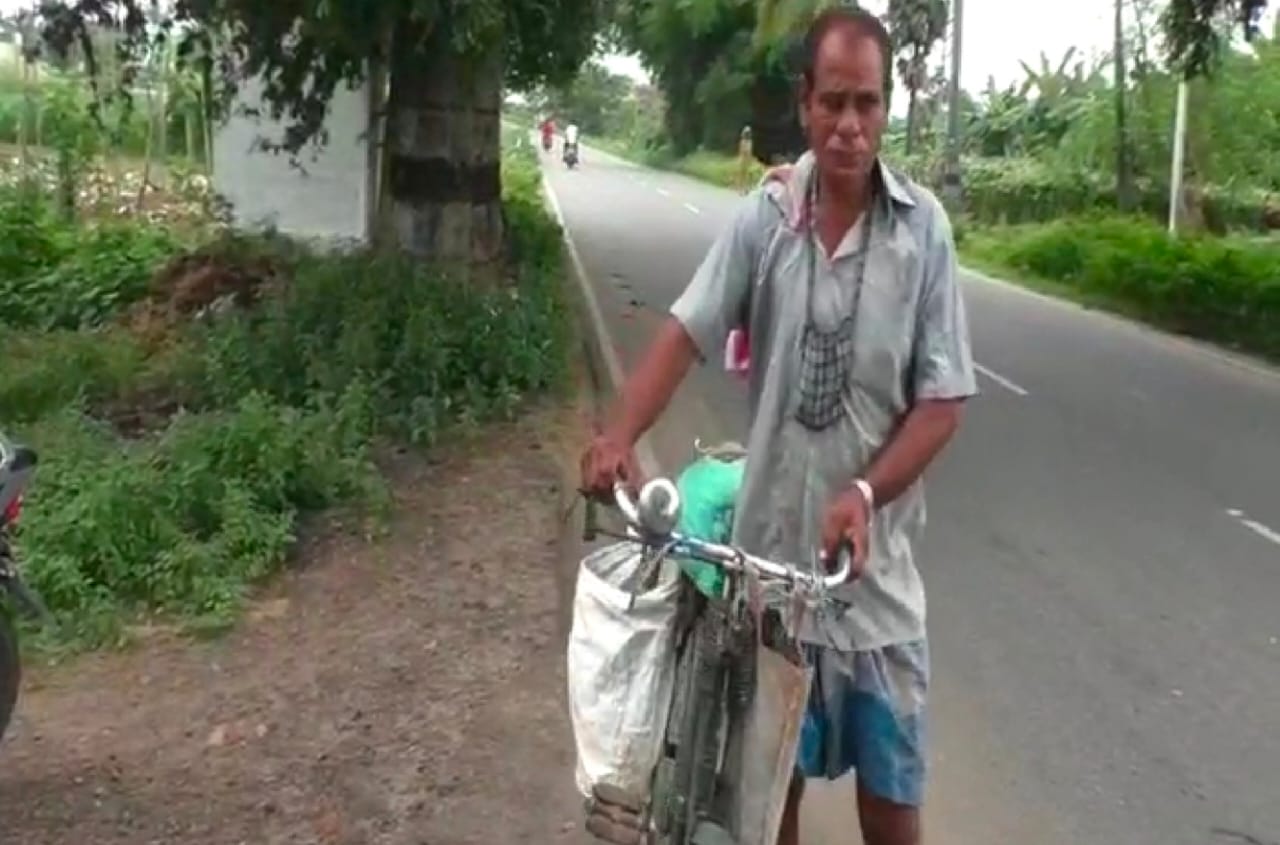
[[1179, 150], [1124, 185], [952, 193]]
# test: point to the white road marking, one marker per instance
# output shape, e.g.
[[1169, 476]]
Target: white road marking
[[1263, 531], [1001, 380], [664, 192], [693, 208]]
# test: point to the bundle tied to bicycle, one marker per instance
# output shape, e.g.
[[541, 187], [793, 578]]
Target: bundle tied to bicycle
[[686, 684]]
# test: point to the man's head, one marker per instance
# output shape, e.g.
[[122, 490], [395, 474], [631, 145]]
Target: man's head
[[846, 79]]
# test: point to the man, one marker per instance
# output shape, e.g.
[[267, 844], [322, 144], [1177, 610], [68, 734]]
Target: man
[[571, 137], [844, 273]]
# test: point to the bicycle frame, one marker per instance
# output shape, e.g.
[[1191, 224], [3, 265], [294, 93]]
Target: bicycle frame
[[715, 680]]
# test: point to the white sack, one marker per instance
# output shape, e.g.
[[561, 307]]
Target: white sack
[[621, 670]]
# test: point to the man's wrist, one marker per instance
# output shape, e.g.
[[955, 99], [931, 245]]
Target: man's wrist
[[867, 492]]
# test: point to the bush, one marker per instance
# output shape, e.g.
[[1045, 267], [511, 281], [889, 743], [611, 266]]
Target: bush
[[1026, 190], [267, 413], [183, 522], [717, 168], [1220, 289], [55, 274]]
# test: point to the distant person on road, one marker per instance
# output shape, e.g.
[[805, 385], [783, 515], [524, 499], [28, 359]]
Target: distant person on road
[[548, 132], [844, 273], [745, 155], [571, 136]]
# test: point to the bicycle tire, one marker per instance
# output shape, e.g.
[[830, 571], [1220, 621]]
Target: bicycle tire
[[10, 669], [685, 740]]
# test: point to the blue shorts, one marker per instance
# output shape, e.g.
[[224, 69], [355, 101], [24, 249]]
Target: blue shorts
[[867, 713]]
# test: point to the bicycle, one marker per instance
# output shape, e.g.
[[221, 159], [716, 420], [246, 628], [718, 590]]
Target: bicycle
[[692, 785]]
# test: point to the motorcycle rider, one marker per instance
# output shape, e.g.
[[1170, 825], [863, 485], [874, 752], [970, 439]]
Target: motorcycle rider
[[571, 140], [844, 273]]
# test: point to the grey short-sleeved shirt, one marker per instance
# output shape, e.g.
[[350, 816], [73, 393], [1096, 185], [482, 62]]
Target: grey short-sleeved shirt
[[911, 341]]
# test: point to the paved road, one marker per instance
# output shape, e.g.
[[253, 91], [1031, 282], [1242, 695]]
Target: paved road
[[1102, 560]]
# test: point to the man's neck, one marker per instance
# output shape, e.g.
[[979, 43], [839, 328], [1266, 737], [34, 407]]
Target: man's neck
[[840, 204]]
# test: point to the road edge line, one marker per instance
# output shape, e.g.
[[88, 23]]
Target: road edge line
[[602, 351]]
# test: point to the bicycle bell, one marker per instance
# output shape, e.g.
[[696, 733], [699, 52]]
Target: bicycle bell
[[659, 506]]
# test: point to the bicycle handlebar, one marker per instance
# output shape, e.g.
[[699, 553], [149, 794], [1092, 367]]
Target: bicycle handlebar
[[651, 518]]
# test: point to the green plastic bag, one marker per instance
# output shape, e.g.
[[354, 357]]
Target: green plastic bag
[[708, 494]]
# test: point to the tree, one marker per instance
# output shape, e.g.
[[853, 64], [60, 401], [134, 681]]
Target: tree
[[1193, 32], [701, 56], [447, 61], [595, 100], [915, 25]]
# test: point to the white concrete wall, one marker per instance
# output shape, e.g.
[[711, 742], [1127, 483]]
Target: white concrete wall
[[329, 201]]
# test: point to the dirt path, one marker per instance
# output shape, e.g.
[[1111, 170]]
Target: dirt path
[[407, 692]]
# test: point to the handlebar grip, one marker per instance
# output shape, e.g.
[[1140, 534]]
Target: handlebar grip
[[844, 564], [622, 500]]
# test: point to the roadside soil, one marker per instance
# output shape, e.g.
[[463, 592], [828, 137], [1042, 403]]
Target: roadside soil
[[405, 691]]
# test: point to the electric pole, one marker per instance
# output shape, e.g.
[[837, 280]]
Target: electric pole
[[1124, 185], [951, 186]]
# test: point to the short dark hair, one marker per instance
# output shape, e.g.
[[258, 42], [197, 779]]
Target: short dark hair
[[857, 18]]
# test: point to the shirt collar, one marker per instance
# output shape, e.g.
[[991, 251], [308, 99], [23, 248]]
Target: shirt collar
[[789, 184], [893, 186]]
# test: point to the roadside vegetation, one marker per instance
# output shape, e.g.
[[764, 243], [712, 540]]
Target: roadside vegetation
[[1048, 199], [196, 394]]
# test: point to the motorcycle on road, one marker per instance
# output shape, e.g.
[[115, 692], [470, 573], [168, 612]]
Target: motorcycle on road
[[17, 465]]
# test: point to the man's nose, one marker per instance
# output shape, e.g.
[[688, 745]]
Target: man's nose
[[850, 123]]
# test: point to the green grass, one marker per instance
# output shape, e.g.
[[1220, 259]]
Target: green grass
[[716, 168], [1223, 290], [176, 467]]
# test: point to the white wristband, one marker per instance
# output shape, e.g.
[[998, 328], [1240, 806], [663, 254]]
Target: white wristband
[[868, 495]]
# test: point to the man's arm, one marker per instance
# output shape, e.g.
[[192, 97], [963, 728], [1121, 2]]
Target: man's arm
[[944, 376], [649, 388], [918, 439]]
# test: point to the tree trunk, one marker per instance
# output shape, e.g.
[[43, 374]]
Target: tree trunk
[[444, 146], [28, 111], [189, 136], [147, 150], [776, 134], [911, 120]]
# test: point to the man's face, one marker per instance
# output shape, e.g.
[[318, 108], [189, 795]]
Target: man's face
[[845, 109]]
